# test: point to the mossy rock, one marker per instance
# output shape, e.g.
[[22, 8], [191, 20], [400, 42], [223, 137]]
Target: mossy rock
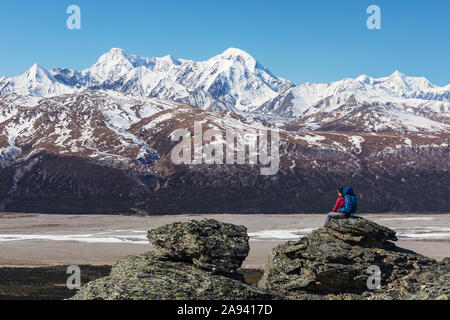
[[150, 277]]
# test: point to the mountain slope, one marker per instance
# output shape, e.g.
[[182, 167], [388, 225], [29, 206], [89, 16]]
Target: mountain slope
[[104, 152], [366, 104]]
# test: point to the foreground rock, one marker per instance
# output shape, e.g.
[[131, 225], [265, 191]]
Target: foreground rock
[[195, 260], [208, 244], [199, 259], [333, 262], [360, 231], [150, 277]]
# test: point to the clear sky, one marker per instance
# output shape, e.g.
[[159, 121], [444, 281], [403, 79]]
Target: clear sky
[[316, 41]]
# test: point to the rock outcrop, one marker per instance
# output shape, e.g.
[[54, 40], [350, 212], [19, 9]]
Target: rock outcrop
[[199, 260], [333, 263], [208, 244], [194, 260]]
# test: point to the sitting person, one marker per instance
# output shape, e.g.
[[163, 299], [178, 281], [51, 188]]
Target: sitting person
[[345, 205]]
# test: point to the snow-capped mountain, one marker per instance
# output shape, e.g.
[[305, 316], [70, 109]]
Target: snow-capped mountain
[[36, 81], [398, 89], [233, 80], [368, 104]]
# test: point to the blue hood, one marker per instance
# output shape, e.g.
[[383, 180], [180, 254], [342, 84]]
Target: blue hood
[[348, 191]]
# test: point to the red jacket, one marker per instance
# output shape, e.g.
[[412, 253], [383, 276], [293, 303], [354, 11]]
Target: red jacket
[[340, 203]]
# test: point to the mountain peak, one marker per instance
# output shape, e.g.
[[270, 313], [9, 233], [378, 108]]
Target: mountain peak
[[233, 50], [113, 61], [35, 68], [233, 53], [37, 72], [365, 79], [116, 50], [170, 59], [397, 74], [115, 54]]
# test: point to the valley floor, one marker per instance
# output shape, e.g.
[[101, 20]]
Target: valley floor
[[35, 240]]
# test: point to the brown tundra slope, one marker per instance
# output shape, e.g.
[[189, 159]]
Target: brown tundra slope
[[105, 152]]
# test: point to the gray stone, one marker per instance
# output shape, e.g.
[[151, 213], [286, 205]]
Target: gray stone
[[357, 230], [150, 277], [195, 260], [332, 263], [208, 244]]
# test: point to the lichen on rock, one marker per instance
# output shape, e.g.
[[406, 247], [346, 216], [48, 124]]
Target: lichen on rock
[[208, 244], [333, 262], [199, 259], [195, 260], [150, 277], [357, 230]]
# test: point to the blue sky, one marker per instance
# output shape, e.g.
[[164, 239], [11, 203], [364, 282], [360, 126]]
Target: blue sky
[[317, 41]]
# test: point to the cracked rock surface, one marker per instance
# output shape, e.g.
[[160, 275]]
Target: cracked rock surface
[[333, 262]]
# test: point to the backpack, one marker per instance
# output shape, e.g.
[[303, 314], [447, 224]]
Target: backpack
[[351, 203]]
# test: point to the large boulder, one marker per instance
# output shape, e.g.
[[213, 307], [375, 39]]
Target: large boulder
[[333, 262], [150, 277], [208, 244], [357, 230], [194, 260]]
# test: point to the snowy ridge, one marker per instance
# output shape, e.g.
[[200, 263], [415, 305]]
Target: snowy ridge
[[233, 80], [237, 82], [398, 89]]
